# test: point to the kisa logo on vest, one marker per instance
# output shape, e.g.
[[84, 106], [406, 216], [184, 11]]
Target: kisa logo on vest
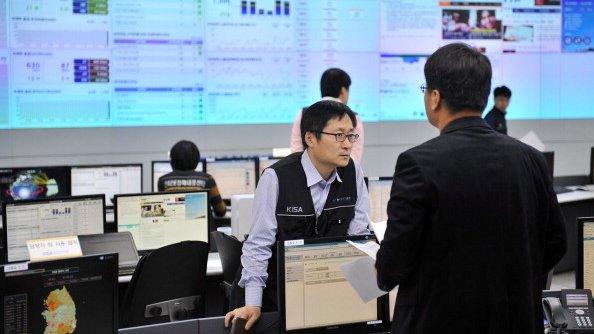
[[342, 199], [294, 209]]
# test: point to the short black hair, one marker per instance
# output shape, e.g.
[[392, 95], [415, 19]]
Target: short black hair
[[332, 81], [315, 117], [184, 155], [502, 91], [462, 75]]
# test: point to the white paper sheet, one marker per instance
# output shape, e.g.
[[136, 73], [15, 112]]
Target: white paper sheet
[[532, 139], [379, 229], [362, 276]]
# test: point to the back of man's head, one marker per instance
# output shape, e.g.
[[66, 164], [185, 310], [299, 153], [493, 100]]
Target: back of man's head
[[502, 91], [462, 75], [332, 82], [184, 156], [316, 117]]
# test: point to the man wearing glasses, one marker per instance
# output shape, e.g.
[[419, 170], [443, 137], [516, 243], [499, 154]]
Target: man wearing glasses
[[312, 194], [474, 225]]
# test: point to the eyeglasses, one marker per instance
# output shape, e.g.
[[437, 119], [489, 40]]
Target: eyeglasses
[[341, 137], [423, 88]]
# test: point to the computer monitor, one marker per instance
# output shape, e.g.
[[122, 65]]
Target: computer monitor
[[234, 176], [379, 195], [49, 218], [162, 167], [241, 215], [160, 219], [265, 162], [101, 243], [107, 179], [314, 295], [77, 295], [592, 165], [21, 183], [550, 158], [584, 273]]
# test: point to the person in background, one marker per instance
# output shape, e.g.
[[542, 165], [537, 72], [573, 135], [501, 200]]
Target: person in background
[[184, 157], [334, 85], [496, 117]]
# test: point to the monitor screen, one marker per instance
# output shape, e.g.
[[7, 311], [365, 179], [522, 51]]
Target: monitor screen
[[585, 272], [40, 219], [379, 195], [77, 295], [592, 165], [109, 180], [34, 182], [265, 162], [163, 167], [233, 176], [124, 63], [160, 219], [313, 287]]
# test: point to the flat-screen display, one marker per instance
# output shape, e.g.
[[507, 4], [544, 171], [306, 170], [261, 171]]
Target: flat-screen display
[[160, 219], [77, 295], [102, 63]]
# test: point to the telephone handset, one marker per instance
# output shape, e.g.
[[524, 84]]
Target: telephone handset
[[574, 313]]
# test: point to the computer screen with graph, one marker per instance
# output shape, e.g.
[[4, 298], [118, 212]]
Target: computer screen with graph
[[106, 179], [49, 218], [131, 63], [160, 219]]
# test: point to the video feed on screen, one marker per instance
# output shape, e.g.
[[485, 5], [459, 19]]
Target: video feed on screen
[[34, 182], [470, 24]]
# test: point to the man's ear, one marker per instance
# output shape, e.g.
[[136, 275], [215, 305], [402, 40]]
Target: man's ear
[[310, 138], [435, 100]]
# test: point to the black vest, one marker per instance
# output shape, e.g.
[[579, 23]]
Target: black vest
[[296, 216], [295, 213]]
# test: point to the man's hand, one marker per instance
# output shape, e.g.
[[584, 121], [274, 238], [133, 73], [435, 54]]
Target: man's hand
[[249, 313]]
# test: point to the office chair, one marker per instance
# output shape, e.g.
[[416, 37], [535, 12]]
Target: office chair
[[230, 253], [168, 285]]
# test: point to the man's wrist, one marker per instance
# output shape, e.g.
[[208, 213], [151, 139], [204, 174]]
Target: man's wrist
[[253, 296]]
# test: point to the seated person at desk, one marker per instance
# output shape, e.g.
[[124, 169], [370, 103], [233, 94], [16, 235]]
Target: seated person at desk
[[312, 194], [184, 159]]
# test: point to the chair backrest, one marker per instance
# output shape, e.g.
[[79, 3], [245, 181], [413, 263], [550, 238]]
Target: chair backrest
[[170, 272], [230, 253]]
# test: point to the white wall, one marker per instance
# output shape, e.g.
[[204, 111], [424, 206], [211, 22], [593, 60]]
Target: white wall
[[570, 139]]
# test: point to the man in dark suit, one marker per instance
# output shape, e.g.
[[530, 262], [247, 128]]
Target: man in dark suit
[[473, 222], [496, 116]]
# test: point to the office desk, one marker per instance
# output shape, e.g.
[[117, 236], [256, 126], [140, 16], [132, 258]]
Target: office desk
[[574, 204], [213, 268], [575, 196], [268, 324]]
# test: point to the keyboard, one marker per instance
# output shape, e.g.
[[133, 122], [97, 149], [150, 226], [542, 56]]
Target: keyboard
[[561, 190]]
